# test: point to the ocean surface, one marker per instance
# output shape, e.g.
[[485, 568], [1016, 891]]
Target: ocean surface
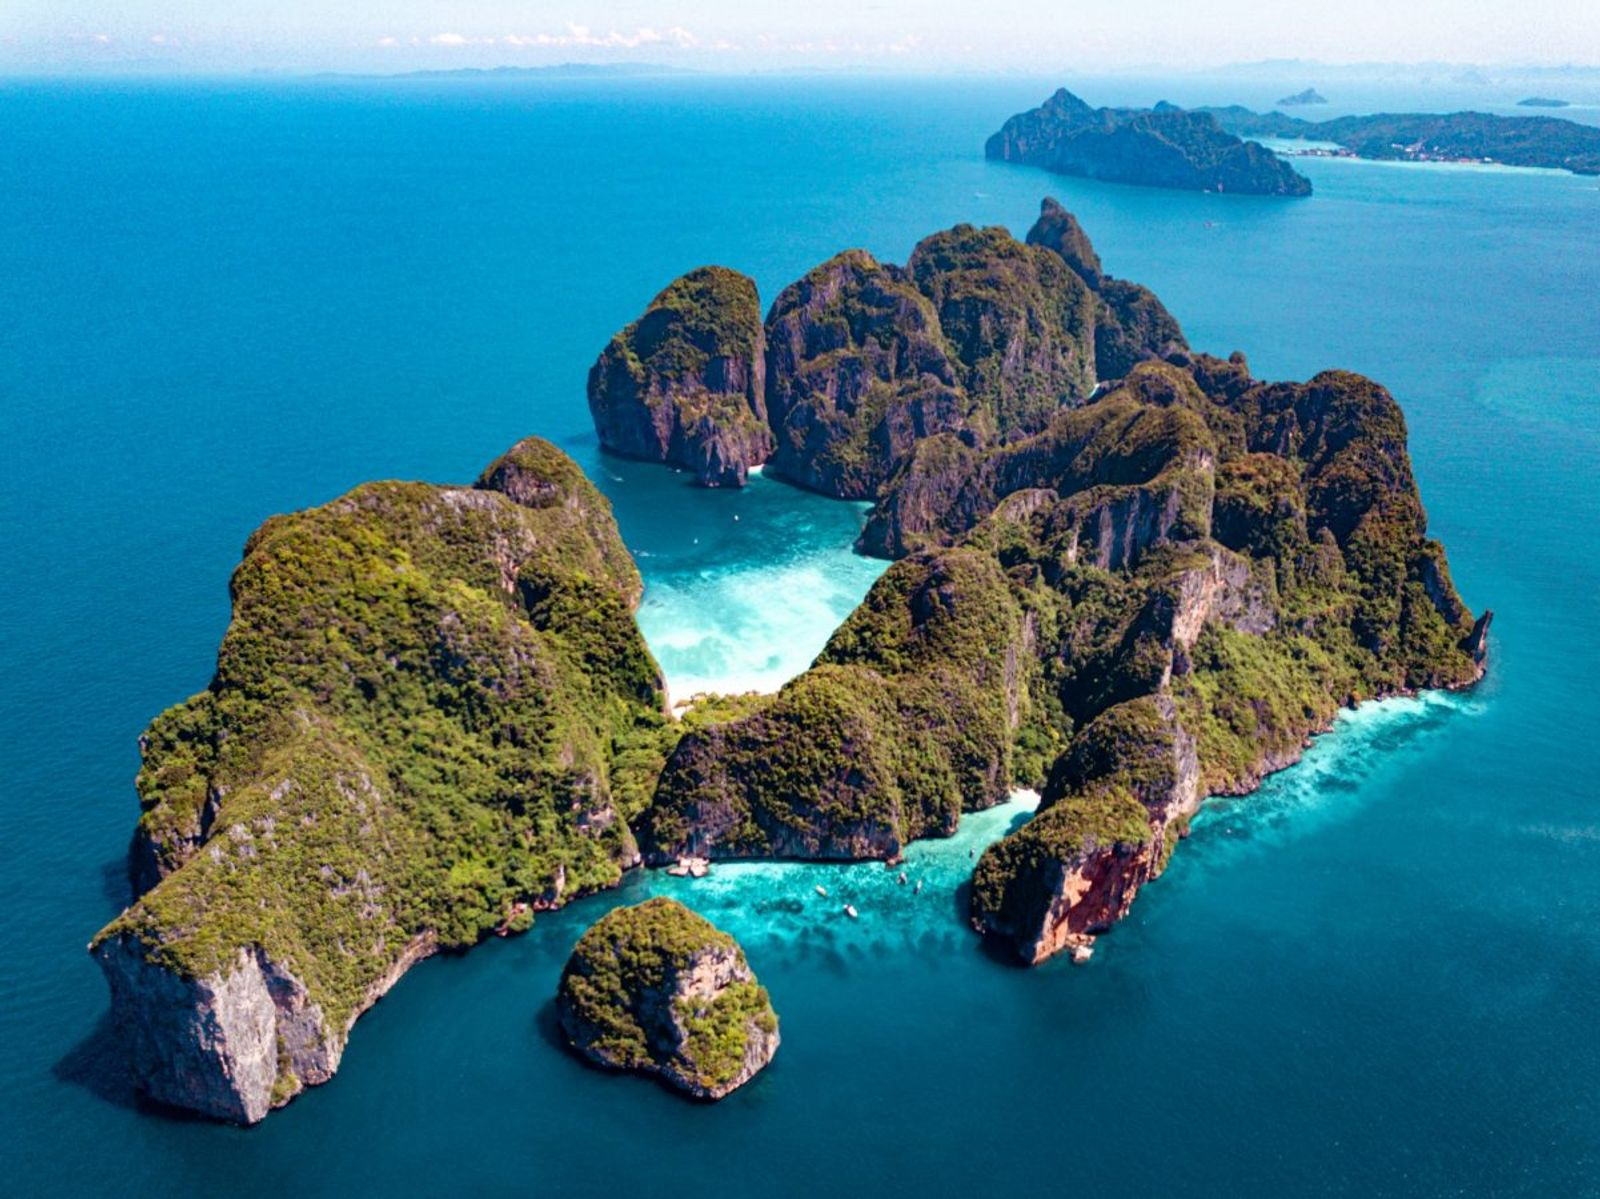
[[1380, 975]]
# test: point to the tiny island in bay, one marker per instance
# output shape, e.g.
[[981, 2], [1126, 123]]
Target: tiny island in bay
[[1164, 146], [1126, 574], [657, 989]]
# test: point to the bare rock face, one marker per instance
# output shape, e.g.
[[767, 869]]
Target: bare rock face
[[1138, 462], [1131, 324], [231, 1043], [658, 989], [857, 373], [1116, 803], [685, 384]]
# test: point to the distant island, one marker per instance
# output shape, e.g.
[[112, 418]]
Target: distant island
[[1161, 147], [1309, 96], [1542, 102], [1126, 574], [1549, 142], [563, 70]]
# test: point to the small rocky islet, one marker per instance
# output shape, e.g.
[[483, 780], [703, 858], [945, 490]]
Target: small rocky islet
[[1127, 574], [658, 989]]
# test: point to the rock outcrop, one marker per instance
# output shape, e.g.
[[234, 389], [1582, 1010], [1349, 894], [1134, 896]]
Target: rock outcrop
[[1161, 147], [1131, 324], [685, 383], [978, 338], [858, 371], [433, 714], [658, 989], [1158, 596]]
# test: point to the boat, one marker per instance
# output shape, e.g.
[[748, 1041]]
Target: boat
[[822, 891], [850, 911], [1081, 954]]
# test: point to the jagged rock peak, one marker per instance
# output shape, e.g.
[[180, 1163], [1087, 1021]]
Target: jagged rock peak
[[685, 384]]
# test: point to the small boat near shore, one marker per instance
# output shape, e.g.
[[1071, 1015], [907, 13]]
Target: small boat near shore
[[850, 911]]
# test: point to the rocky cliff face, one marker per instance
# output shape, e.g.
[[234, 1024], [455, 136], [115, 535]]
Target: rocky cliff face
[[1156, 597], [658, 989], [858, 371], [978, 338], [412, 738], [685, 384], [1131, 325], [1161, 147]]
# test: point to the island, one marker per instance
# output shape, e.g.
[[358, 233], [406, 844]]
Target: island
[[1157, 594], [660, 990], [1309, 96], [1164, 146], [1126, 574], [1480, 137], [978, 336], [1543, 102], [433, 714]]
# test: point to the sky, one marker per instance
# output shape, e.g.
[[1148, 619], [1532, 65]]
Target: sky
[[741, 35]]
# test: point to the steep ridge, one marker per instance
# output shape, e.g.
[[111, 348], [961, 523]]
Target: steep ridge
[[432, 714], [978, 337]]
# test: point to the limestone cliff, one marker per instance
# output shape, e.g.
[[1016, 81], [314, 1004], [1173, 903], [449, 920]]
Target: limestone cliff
[[658, 989], [857, 372], [1156, 597], [685, 383], [1161, 147], [979, 338], [432, 715], [1131, 325]]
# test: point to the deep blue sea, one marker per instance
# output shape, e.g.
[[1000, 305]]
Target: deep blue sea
[[221, 300]]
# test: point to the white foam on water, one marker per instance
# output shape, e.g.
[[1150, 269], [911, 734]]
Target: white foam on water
[[1337, 773], [777, 903], [751, 628]]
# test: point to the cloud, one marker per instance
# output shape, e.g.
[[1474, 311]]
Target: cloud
[[388, 42], [158, 39], [586, 36], [448, 39], [102, 38]]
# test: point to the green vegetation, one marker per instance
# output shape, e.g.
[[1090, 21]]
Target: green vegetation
[[413, 728], [1160, 147], [1519, 141], [684, 382], [1158, 595], [901, 725], [1020, 320], [657, 987]]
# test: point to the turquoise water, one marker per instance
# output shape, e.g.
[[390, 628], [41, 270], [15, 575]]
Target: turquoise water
[[219, 301]]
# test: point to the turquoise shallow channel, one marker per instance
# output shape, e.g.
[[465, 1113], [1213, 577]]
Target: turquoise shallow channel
[[221, 300]]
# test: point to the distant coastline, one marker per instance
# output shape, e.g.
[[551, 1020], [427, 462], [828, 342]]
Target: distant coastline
[[1457, 137], [564, 70]]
